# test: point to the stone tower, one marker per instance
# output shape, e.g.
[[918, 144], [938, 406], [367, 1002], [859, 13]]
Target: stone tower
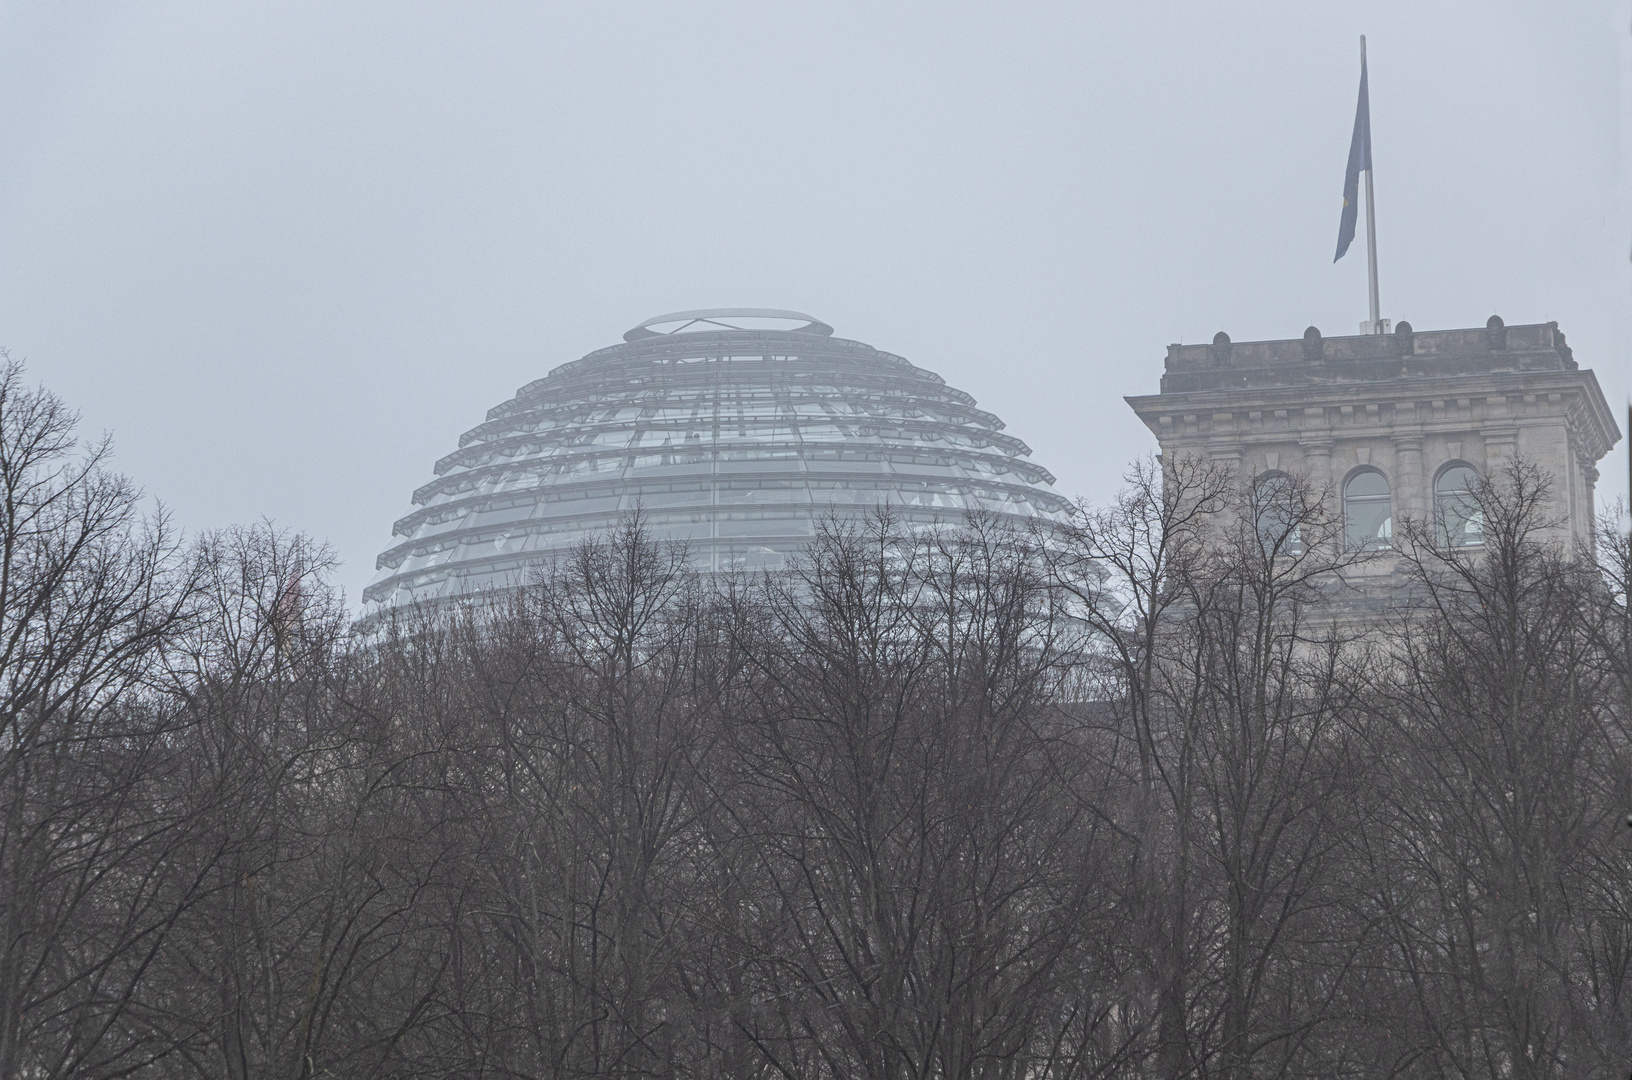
[[1393, 424]]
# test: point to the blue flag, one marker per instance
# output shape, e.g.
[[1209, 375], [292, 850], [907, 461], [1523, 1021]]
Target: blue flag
[[1359, 161]]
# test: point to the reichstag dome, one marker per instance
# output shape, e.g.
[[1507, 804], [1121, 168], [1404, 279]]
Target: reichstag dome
[[732, 430]]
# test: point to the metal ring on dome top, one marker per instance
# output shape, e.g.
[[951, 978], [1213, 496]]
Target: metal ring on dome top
[[711, 318]]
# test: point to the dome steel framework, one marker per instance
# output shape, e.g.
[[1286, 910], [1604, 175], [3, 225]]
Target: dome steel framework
[[727, 433]]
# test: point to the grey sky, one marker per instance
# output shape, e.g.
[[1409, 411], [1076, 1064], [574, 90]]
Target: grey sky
[[287, 252]]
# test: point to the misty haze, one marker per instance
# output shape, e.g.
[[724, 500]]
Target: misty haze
[[814, 541]]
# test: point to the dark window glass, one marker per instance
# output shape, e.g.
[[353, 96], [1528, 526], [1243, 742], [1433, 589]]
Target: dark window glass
[[1277, 528], [1456, 506], [1368, 523]]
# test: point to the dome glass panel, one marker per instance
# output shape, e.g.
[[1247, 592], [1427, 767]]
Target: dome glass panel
[[726, 433]]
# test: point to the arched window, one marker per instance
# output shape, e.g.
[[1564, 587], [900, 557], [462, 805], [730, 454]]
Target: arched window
[[1368, 523], [1456, 506], [1274, 497]]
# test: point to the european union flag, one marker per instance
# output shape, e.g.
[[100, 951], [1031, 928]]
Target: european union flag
[[1359, 161]]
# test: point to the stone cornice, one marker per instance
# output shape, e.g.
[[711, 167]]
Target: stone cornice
[[1295, 411]]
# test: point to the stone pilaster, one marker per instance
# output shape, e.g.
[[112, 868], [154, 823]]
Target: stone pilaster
[[1500, 445], [1230, 455], [1317, 454], [1410, 487], [1589, 485]]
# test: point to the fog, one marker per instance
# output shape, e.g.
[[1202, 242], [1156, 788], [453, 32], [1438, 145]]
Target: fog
[[287, 253]]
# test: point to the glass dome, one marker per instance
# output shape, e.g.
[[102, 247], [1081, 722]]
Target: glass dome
[[727, 432]]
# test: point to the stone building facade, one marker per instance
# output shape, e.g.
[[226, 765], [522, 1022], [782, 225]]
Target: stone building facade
[[1392, 424]]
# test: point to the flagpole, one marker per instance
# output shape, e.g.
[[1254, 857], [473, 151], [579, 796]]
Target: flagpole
[[1371, 218]]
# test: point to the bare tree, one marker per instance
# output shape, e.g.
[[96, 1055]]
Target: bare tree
[[319, 825], [1137, 796], [586, 688], [1129, 567], [920, 878], [90, 592], [1223, 739], [1265, 688], [1510, 772]]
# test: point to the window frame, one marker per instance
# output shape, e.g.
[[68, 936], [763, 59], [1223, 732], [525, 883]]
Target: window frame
[[1379, 542], [1293, 545], [1441, 524]]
